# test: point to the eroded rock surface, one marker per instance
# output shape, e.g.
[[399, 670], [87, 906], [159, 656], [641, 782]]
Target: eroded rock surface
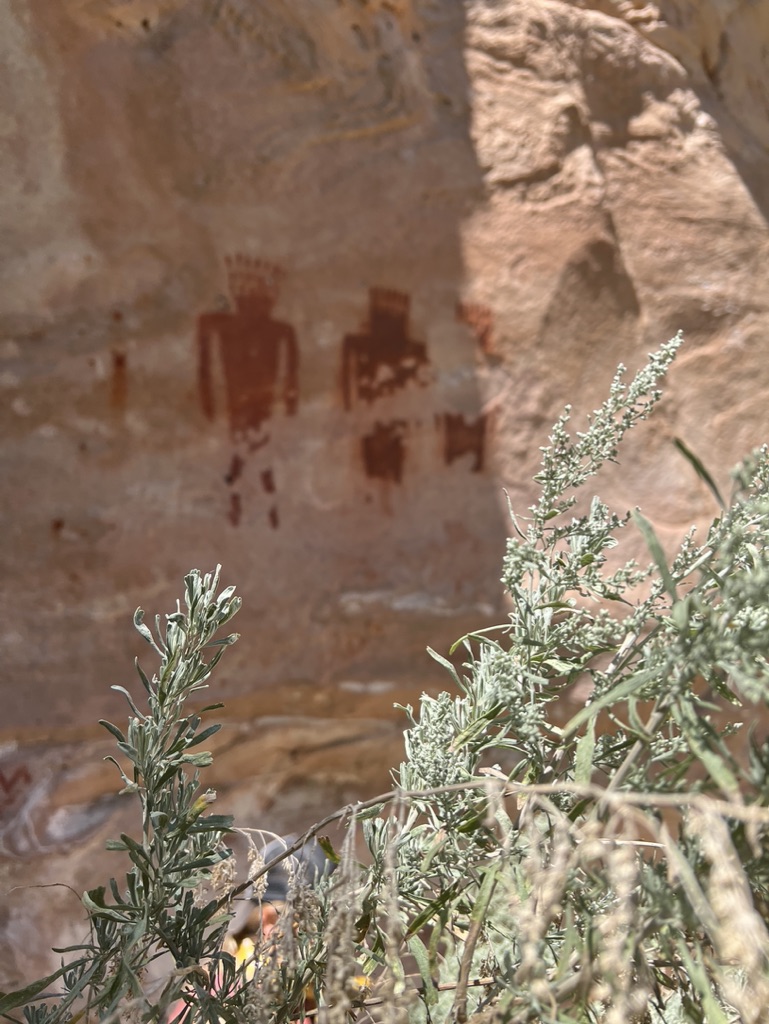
[[299, 288]]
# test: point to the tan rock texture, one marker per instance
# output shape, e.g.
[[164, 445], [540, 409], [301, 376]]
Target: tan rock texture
[[298, 287]]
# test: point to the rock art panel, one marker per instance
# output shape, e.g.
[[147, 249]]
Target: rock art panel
[[259, 358], [256, 355]]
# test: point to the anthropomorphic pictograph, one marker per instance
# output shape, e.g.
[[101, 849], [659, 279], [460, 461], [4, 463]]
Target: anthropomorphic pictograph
[[259, 360]]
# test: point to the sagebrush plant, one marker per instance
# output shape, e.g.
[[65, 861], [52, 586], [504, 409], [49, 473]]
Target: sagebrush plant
[[613, 868], [157, 910]]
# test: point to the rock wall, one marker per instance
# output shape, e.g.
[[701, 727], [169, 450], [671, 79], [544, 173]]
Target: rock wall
[[298, 287]]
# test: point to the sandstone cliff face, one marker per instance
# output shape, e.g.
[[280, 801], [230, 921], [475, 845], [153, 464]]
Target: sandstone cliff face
[[298, 288]]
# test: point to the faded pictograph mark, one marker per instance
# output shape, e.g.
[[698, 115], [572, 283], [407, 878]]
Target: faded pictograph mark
[[235, 510], [467, 435], [15, 780], [384, 451], [283, 38], [480, 320], [235, 471], [381, 358], [22, 788], [119, 381], [259, 360], [118, 375], [464, 437], [29, 823]]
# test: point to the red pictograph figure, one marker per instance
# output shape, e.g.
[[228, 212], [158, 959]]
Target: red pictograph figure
[[379, 361], [481, 322], [259, 354], [260, 362], [382, 358]]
